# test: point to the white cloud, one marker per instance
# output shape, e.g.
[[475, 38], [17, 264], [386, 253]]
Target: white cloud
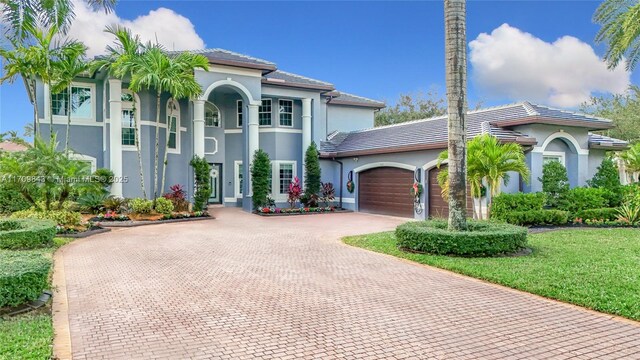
[[171, 29], [514, 64]]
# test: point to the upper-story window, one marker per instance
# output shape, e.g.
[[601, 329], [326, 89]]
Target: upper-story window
[[264, 113], [129, 117], [173, 125], [239, 113], [285, 109], [211, 115], [81, 100]]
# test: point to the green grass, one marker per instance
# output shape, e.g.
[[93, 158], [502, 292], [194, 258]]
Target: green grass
[[26, 337], [595, 268], [29, 336]]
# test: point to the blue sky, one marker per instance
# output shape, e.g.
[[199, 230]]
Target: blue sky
[[381, 49]]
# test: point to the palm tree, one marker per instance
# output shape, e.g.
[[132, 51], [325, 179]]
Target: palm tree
[[120, 62], [456, 77], [18, 63], [631, 159], [620, 21], [71, 65], [488, 161], [173, 74]]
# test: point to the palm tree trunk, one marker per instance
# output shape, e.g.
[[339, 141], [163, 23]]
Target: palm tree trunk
[[456, 77], [51, 136], [480, 207], [137, 140], [166, 147], [36, 126], [66, 138], [157, 149]]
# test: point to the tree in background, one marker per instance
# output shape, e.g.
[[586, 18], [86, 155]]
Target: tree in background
[[455, 12], [260, 176], [607, 177], [620, 21], [555, 182], [412, 107], [202, 172], [312, 170], [623, 109]]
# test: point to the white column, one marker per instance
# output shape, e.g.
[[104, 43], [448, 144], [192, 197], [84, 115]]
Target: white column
[[254, 138], [306, 131], [198, 127], [115, 134]]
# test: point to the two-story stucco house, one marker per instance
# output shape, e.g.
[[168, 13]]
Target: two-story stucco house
[[248, 104]]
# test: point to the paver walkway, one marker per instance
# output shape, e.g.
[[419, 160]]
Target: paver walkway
[[243, 286]]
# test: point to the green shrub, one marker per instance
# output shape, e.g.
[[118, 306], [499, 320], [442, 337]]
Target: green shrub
[[504, 204], [104, 177], [26, 233], [631, 194], [202, 174], [260, 178], [23, 276], [312, 172], [60, 217], [481, 238], [92, 201], [555, 181], [164, 206], [537, 217], [117, 204], [11, 200], [578, 199], [603, 214], [140, 206]]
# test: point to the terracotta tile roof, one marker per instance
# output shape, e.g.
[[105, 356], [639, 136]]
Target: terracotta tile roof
[[12, 146], [432, 133]]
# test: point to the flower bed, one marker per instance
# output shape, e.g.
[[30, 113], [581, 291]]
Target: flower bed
[[154, 218], [274, 211]]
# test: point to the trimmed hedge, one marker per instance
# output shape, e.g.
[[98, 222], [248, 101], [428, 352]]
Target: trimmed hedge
[[605, 214], [481, 238], [537, 217], [26, 233], [582, 198], [505, 204], [23, 276], [60, 217]]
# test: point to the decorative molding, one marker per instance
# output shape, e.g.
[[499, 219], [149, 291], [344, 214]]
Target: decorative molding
[[384, 164], [215, 141], [346, 200], [561, 135], [229, 82], [267, 130], [433, 163], [230, 200], [62, 120], [233, 131], [87, 158], [223, 69], [559, 154]]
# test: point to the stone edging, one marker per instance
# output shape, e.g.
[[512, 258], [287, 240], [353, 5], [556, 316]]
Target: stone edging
[[84, 234], [303, 213], [126, 224], [60, 309]]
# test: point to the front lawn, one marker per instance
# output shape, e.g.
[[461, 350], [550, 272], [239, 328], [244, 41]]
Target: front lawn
[[594, 268], [26, 337]]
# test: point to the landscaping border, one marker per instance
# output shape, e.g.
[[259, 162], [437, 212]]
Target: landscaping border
[[303, 213], [84, 234], [134, 223]]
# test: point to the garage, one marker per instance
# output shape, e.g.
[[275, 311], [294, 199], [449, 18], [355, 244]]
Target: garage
[[438, 207], [386, 191]]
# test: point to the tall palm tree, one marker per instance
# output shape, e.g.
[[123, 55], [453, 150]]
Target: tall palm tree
[[164, 73], [456, 77], [631, 159], [71, 65], [120, 62], [620, 21], [17, 62], [488, 161]]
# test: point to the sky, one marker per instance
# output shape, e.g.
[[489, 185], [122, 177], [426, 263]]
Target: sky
[[540, 51]]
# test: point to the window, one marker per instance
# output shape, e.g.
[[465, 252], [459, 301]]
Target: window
[[285, 109], [211, 115], [80, 102], [239, 178], [129, 116], [549, 156], [239, 113], [173, 126], [285, 173], [264, 113]]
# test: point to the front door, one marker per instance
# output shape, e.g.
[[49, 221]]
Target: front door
[[216, 184]]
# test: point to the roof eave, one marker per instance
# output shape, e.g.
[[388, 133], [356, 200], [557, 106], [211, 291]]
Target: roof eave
[[605, 146], [336, 101], [298, 85], [266, 68], [590, 125]]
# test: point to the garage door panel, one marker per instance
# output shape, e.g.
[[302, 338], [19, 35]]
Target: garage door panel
[[386, 191], [438, 207]]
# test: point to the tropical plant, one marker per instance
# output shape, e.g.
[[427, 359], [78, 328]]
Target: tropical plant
[[202, 171], [115, 204], [631, 159], [104, 177], [120, 62], [171, 73], [620, 21], [70, 65], [629, 213], [456, 80], [178, 197], [18, 62], [260, 178], [92, 201], [490, 161], [164, 206], [328, 193], [140, 206], [607, 178], [555, 182], [312, 172], [294, 192]]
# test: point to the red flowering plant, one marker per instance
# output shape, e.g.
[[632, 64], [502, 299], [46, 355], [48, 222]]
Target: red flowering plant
[[178, 197], [295, 191]]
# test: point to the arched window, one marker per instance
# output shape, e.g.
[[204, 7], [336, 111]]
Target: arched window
[[211, 115], [173, 126]]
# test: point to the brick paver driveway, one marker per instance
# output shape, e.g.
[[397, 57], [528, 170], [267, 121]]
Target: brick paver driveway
[[243, 286]]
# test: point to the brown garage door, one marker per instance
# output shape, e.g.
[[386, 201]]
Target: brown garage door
[[387, 191], [438, 207]]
